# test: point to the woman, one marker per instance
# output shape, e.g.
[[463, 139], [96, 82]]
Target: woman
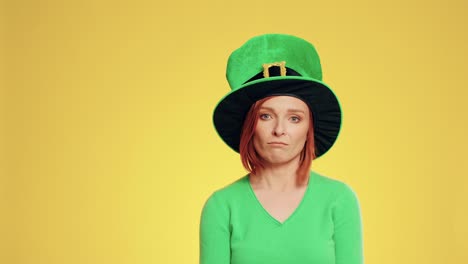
[[279, 116]]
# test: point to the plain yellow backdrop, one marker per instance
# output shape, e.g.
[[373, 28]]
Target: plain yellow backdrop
[[109, 152]]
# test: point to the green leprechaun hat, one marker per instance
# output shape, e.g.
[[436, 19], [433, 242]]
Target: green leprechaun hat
[[277, 64]]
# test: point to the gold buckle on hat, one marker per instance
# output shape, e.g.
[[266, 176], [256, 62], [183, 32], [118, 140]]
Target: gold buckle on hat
[[266, 67]]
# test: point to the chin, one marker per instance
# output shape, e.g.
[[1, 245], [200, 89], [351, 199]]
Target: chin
[[277, 160]]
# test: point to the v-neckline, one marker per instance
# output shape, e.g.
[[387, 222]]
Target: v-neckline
[[262, 208]]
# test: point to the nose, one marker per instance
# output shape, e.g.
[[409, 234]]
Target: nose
[[279, 128]]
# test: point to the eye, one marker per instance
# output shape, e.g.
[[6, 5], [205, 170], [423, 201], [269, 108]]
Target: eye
[[295, 119], [265, 116]]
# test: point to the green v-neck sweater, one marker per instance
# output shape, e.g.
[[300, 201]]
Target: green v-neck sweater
[[325, 228]]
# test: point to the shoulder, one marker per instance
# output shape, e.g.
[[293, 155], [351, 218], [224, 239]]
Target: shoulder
[[331, 186], [233, 188], [338, 196], [231, 192]]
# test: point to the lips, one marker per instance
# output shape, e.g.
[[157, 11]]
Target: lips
[[277, 143]]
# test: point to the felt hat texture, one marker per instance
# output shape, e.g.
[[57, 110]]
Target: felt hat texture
[[277, 64]]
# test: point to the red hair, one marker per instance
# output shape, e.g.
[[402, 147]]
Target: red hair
[[252, 160]]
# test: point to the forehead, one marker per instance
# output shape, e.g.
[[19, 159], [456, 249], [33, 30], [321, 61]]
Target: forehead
[[285, 103]]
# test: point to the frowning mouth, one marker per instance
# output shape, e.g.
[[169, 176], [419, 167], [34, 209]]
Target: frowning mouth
[[277, 143]]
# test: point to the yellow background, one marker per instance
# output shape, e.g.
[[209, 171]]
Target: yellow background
[[108, 152]]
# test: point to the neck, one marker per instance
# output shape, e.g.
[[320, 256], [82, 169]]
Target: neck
[[277, 177]]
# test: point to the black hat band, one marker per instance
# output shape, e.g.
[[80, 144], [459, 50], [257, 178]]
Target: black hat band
[[274, 71]]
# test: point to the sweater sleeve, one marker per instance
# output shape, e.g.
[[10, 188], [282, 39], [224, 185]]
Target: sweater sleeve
[[214, 232], [347, 228]]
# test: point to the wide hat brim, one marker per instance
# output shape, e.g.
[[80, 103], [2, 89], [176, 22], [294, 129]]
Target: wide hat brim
[[230, 112]]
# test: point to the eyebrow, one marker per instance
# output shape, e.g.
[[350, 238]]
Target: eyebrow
[[291, 110]]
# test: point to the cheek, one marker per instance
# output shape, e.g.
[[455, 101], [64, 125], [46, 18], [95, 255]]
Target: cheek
[[302, 133], [260, 132], [259, 138]]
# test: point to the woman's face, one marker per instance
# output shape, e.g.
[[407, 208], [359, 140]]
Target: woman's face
[[281, 131]]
